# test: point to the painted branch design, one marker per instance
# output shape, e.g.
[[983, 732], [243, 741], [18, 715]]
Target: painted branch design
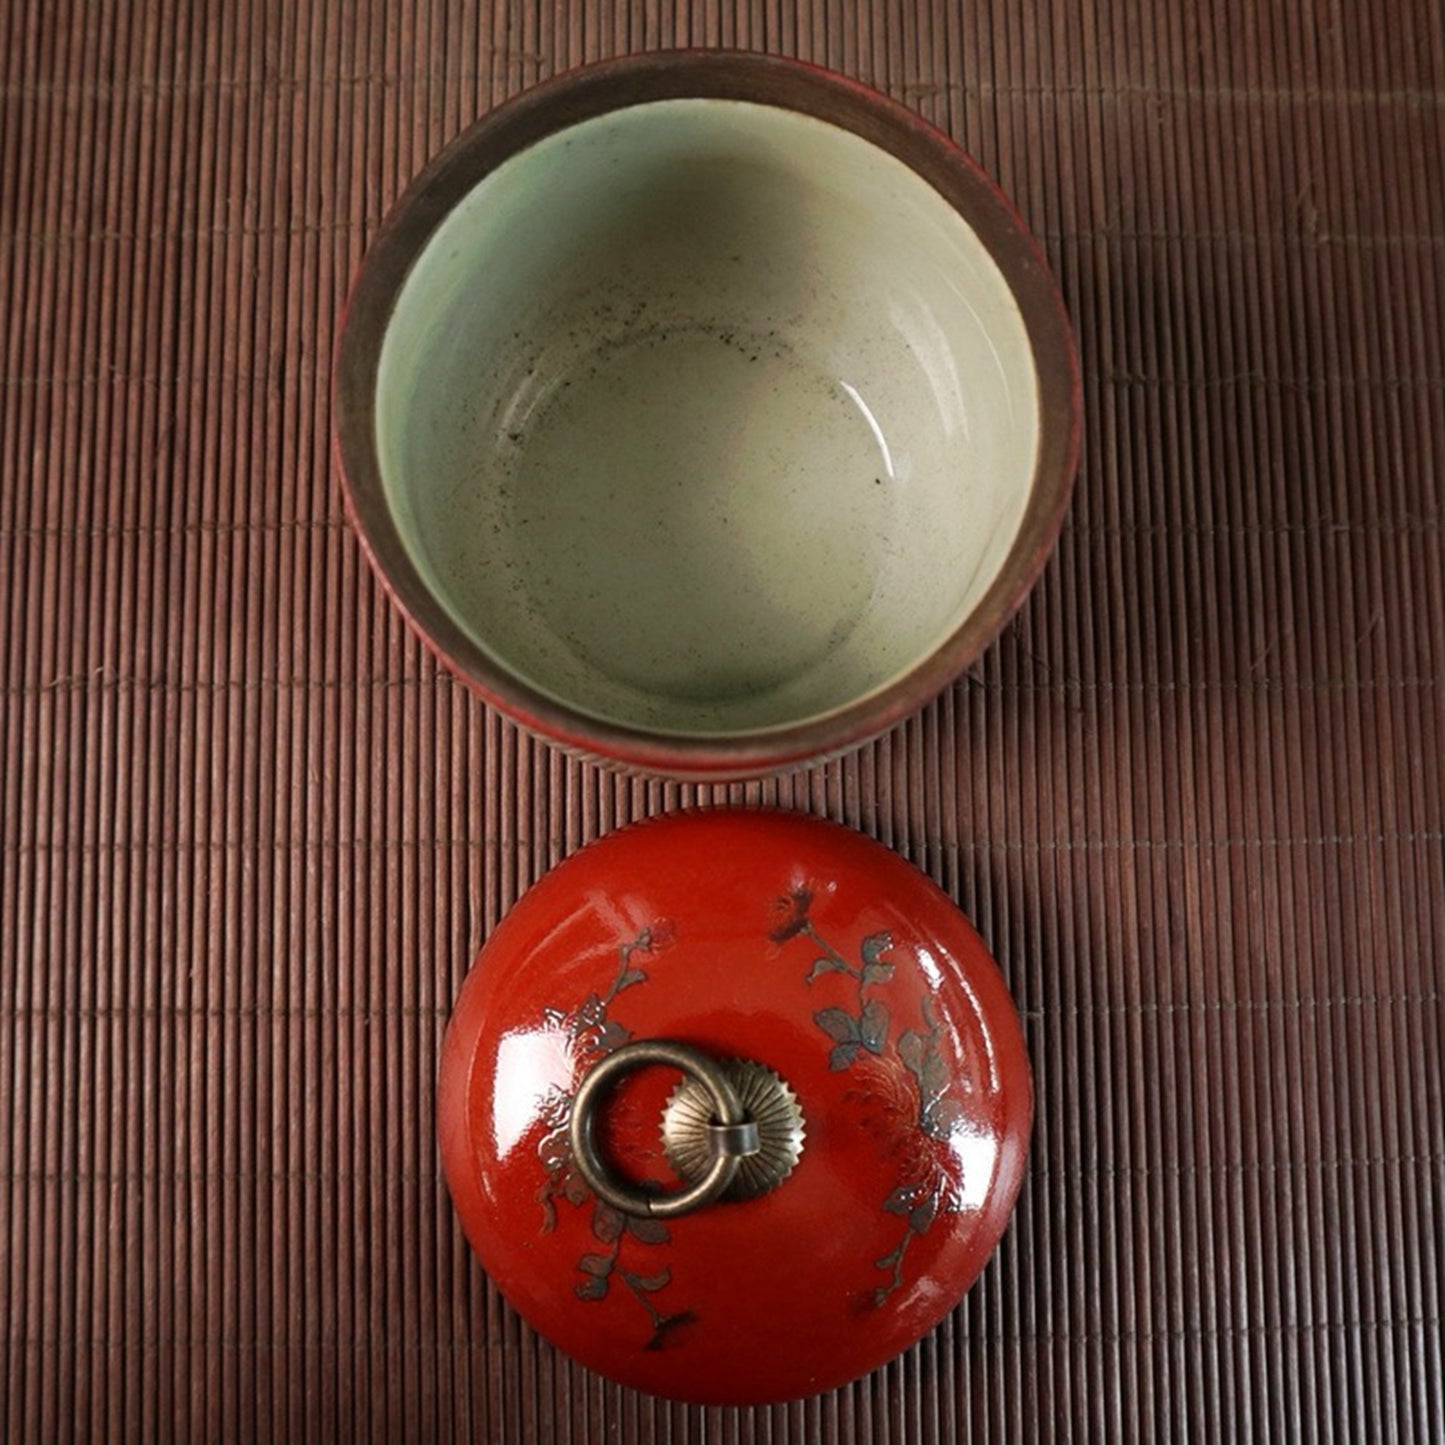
[[594, 1034]]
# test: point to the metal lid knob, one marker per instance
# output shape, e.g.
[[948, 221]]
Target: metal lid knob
[[730, 1135], [732, 1128]]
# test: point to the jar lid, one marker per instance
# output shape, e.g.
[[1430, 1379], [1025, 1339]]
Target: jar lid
[[734, 1106]]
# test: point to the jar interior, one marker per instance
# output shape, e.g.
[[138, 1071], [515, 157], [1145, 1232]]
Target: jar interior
[[705, 417]]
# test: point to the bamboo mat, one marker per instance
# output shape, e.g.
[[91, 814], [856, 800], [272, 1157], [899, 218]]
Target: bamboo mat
[[252, 837]]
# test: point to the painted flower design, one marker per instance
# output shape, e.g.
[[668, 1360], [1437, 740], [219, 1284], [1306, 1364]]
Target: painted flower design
[[861, 1031], [594, 1033]]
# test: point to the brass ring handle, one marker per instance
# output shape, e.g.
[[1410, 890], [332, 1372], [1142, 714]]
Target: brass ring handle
[[733, 1135]]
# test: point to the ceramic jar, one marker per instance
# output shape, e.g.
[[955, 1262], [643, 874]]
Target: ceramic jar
[[707, 413]]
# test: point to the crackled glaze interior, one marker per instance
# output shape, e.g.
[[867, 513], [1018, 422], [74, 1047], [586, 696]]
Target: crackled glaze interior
[[706, 417]]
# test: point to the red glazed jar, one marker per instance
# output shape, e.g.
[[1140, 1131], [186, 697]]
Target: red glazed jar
[[734, 1106], [634, 336]]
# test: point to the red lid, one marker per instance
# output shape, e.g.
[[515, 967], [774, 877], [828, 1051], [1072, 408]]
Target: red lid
[[867, 1154]]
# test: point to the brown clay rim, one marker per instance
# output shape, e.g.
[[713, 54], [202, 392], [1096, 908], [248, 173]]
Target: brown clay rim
[[613, 85]]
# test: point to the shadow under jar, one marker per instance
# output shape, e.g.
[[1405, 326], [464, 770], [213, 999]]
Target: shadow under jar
[[707, 413]]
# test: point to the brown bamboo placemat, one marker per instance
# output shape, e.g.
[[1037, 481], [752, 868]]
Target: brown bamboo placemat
[[1193, 798]]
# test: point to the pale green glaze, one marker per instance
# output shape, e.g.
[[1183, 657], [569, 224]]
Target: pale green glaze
[[706, 417]]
